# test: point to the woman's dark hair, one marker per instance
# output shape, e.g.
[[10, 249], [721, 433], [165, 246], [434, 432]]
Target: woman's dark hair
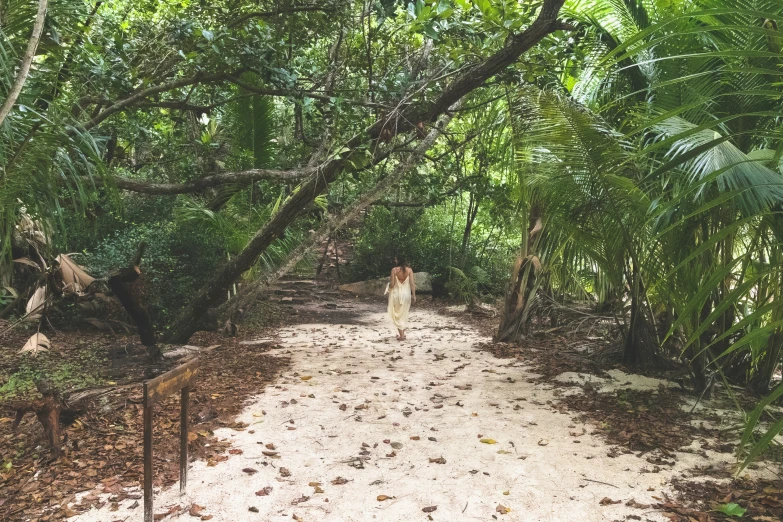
[[401, 262]]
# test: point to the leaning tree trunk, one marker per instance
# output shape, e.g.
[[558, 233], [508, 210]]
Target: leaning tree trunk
[[250, 292], [27, 61], [383, 130]]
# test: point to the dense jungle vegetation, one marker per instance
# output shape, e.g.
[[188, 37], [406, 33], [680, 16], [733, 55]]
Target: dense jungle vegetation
[[622, 157]]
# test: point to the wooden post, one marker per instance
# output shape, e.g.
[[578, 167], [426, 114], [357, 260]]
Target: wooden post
[[156, 389], [148, 516], [183, 439]]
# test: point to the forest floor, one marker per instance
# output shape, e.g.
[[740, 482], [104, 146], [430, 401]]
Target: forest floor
[[329, 418]]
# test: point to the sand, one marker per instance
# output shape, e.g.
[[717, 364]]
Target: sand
[[437, 388]]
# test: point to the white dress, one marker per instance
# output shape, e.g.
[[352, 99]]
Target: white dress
[[400, 302]]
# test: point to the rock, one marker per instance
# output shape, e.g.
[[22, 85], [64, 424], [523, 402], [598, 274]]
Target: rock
[[377, 286]]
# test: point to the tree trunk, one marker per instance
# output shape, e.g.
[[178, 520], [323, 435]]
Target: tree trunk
[[27, 60], [120, 282], [516, 312], [384, 129]]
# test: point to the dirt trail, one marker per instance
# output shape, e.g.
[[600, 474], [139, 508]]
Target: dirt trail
[[359, 415]]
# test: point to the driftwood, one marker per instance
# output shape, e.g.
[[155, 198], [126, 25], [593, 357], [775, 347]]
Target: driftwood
[[120, 282], [47, 410]]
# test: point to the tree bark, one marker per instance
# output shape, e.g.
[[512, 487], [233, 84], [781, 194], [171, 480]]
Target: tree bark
[[27, 61], [386, 127]]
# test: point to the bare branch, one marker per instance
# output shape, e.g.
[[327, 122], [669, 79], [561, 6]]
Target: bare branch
[[206, 182], [142, 95], [307, 94], [27, 60], [283, 11]]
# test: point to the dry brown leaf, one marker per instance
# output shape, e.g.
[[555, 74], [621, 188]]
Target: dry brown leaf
[[439, 460], [35, 304], [306, 377], [195, 510], [250, 471], [606, 501], [502, 509], [339, 481], [37, 342], [264, 492], [381, 498], [75, 279], [429, 509]]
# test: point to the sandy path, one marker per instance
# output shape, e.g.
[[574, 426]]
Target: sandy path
[[436, 387]]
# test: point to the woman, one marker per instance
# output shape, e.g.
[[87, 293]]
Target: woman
[[402, 290]]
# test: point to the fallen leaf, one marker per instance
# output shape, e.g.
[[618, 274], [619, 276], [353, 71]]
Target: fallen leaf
[[439, 460], [250, 471], [606, 501], [306, 377], [732, 509], [489, 441], [543, 442], [429, 509], [318, 489], [269, 453], [339, 481], [38, 342], [264, 492], [303, 498], [235, 451], [284, 472], [502, 509], [381, 498], [415, 437], [270, 446], [195, 510], [506, 492]]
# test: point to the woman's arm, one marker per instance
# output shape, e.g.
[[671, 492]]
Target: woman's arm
[[391, 279], [413, 285]]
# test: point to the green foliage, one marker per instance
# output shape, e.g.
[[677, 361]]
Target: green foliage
[[431, 244], [177, 259], [732, 509]]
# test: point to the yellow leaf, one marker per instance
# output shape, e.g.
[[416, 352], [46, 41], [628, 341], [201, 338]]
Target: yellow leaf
[[504, 452], [381, 498], [505, 492], [489, 441], [306, 377]]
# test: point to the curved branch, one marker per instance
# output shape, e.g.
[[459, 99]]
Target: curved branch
[[277, 12], [206, 182], [27, 60]]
